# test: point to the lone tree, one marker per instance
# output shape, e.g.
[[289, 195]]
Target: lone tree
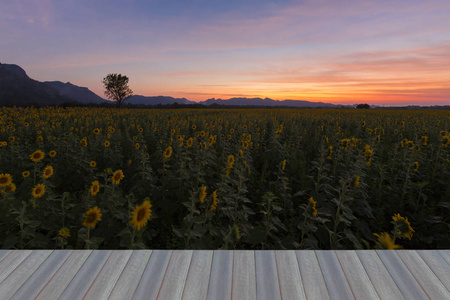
[[363, 106], [117, 89]]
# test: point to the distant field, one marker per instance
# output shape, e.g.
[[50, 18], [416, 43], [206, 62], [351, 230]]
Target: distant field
[[224, 179]]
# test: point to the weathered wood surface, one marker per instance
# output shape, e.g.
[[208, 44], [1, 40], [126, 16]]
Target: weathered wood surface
[[208, 274]]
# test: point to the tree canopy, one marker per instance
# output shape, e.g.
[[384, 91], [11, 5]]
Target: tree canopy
[[116, 88]]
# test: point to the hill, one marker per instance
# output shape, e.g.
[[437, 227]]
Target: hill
[[77, 93], [155, 100], [16, 88], [265, 102]]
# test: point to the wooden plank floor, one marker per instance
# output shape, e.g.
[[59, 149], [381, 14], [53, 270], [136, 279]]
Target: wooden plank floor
[[205, 274]]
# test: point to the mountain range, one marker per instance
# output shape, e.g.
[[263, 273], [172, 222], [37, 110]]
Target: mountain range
[[17, 88]]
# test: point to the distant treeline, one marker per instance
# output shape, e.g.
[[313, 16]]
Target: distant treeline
[[212, 106]]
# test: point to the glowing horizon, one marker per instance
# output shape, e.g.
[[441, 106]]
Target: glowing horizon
[[341, 52]]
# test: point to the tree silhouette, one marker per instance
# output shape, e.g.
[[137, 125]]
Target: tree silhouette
[[116, 88], [363, 106]]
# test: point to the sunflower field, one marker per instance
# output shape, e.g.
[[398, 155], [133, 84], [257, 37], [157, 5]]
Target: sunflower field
[[103, 178]]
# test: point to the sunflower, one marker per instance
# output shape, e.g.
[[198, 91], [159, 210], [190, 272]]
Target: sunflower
[[386, 242], [202, 194], [48, 172], [402, 226], [283, 165], [83, 142], [37, 155], [141, 214], [357, 181], [11, 139], [215, 202], [330, 151], [25, 174], [141, 129], [416, 166], [5, 179], [38, 191], [168, 152], [64, 232], [11, 188], [137, 146], [92, 216], [96, 131], [230, 160], [314, 210], [93, 164], [117, 177], [52, 153], [95, 188], [107, 143], [189, 142]]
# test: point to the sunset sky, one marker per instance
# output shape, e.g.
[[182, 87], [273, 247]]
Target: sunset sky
[[392, 52]]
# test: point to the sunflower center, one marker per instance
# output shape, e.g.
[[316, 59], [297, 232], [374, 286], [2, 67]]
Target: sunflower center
[[91, 218], [141, 214], [3, 180]]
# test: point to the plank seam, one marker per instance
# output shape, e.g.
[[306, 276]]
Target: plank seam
[[321, 272], [368, 276], [429, 266], [393, 279], [143, 272], [278, 276], [232, 275], [415, 277], [9, 252], [54, 274], [439, 251], [95, 279], [392, 276], [17, 265], [300, 274], [187, 274], [165, 274], [348, 281]]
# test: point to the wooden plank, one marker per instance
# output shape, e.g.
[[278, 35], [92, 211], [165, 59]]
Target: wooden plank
[[267, 285], [439, 266], [108, 276], [30, 289], [379, 276], [406, 283], [312, 278], [244, 276], [82, 281], [221, 277], [423, 274], [175, 277], [10, 262], [291, 286], [22, 272], [356, 276], [445, 255], [62, 278], [153, 275], [334, 276], [131, 275], [197, 281], [4, 253]]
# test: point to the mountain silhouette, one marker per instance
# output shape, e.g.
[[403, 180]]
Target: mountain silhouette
[[77, 93], [16, 88], [265, 102], [155, 100]]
